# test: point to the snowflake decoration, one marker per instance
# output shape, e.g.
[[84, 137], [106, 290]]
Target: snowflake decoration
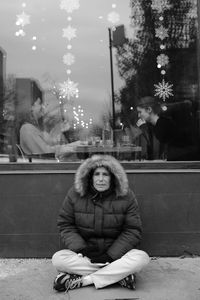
[[68, 59], [163, 90], [69, 5], [160, 5], [113, 17], [162, 60], [69, 32], [68, 89], [162, 32], [23, 19]]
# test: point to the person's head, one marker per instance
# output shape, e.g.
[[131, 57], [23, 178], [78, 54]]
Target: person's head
[[147, 108], [37, 109], [101, 179], [101, 172]]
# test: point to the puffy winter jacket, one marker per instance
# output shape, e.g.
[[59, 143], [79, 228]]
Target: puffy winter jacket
[[108, 220]]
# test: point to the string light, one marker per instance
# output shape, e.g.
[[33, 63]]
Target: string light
[[78, 118], [23, 19]]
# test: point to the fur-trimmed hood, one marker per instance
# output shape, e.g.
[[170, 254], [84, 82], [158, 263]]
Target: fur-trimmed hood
[[82, 175]]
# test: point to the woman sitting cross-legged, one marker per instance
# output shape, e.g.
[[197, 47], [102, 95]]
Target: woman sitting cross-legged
[[100, 227]]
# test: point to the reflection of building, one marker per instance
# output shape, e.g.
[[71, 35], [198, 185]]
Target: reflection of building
[[2, 82]]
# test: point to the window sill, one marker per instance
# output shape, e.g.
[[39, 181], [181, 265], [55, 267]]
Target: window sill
[[133, 167]]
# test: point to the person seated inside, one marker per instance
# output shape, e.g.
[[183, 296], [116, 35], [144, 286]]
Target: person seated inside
[[174, 139], [35, 141]]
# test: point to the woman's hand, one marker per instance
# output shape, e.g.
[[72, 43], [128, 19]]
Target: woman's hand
[[65, 126], [90, 251], [103, 258]]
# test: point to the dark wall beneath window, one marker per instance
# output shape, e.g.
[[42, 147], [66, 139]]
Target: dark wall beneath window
[[169, 204]]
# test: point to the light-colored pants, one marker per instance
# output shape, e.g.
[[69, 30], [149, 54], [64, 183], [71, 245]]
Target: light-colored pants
[[70, 262]]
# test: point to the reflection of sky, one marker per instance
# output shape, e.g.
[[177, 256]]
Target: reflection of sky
[[91, 69]]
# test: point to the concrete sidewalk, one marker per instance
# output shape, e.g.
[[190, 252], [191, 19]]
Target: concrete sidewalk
[[162, 279]]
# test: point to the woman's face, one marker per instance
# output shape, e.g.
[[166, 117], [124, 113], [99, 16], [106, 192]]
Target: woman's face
[[101, 179], [37, 109]]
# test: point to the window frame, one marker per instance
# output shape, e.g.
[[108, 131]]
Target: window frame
[[130, 167]]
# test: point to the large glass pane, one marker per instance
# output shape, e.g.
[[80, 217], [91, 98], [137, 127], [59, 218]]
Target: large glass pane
[[72, 75]]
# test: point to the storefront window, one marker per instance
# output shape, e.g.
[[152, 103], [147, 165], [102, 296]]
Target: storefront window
[[84, 77]]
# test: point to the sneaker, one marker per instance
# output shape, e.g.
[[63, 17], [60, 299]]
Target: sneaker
[[129, 282], [64, 282]]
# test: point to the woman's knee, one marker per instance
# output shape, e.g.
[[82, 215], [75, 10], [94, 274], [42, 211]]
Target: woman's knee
[[140, 255], [59, 256]]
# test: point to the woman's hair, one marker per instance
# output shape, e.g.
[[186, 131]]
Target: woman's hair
[[149, 101]]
